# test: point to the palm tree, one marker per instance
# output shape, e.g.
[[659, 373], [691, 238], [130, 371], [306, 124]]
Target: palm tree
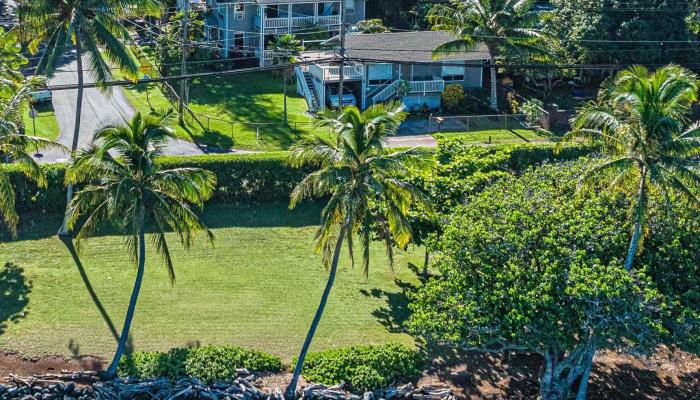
[[14, 146], [641, 120], [87, 25], [285, 48], [125, 186], [11, 59], [366, 197], [498, 24]]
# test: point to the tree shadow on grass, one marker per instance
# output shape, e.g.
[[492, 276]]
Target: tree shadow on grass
[[14, 292]]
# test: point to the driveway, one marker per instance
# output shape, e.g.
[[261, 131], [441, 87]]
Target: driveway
[[99, 110]]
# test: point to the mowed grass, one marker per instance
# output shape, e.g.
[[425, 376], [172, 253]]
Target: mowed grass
[[257, 287], [490, 130], [45, 122], [229, 108]]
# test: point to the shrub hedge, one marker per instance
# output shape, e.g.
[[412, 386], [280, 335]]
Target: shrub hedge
[[363, 367], [208, 363], [265, 177]]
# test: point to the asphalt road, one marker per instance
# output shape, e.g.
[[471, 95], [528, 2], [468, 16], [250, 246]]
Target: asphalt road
[[99, 110]]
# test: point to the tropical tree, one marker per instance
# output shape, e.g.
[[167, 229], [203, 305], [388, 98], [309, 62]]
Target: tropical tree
[[14, 146], [285, 48], [88, 25], [501, 25], [124, 186], [641, 120], [366, 197], [11, 59]]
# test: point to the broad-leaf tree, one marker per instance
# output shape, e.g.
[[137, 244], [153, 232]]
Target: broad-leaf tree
[[93, 29], [641, 120], [501, 25], [285, 48], [124, 186], [526, 265], [366, 196], [15, 145]]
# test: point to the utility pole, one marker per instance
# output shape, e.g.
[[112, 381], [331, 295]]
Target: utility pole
[[341, 80], [185, 51]]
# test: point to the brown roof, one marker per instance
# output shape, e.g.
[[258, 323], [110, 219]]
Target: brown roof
[[407, 46]]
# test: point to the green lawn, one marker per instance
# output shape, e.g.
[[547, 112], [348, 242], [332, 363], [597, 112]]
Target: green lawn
[[258, 287], [229, 106], [46, 125], [488, 130]]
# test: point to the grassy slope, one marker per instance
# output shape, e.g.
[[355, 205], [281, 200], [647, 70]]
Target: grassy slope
[[233, 102], [258, 287], [46, 124]]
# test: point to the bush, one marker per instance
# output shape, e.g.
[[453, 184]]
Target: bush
[[453, 96], [208, 363], [250, 178], [363, 367]]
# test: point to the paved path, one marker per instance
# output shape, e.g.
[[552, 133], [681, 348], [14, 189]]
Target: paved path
[[99, 109], [411, 141]]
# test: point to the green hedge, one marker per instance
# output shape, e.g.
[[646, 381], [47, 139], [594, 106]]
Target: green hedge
[[264, 177], [363, 367], [246, 178], [208, 363]]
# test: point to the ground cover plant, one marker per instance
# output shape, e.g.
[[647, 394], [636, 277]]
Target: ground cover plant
[[364, 367], [208, 363]]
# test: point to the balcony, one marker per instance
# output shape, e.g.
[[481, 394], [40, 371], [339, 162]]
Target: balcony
[[330, 73], [279, 25]]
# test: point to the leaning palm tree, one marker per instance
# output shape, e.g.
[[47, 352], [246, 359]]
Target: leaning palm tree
[[94, 29], [499, 24], [641, 121], [285, 48], [14, 145], [365, 195], [125, 186]]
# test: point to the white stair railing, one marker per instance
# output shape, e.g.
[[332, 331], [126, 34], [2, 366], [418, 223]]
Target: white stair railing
[[301, 80], [386, 93]]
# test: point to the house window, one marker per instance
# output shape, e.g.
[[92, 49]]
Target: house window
[[349, 7], [452, 73], [238, 40], [239, 11], [379, 74]]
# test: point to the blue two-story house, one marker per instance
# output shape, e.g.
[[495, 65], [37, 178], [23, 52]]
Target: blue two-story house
[[244, 28]]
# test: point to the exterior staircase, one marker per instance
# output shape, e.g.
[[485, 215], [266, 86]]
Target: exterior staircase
[[307, 88]]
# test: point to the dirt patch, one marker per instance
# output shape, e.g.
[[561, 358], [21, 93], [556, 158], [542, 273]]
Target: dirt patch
[[666, 375], [12, 363]]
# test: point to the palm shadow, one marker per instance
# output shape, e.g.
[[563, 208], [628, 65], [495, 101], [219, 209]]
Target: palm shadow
[[68, 242], [14, 291]]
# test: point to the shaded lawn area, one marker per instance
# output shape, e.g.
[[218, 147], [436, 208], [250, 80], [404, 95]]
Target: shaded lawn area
[[229, 107], [497, 136], [258, 287], [489, 130], [46, 124]]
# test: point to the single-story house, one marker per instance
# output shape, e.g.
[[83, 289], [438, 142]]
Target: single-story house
[[389, 66]]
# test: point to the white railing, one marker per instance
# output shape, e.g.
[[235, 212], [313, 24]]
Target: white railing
[[424, 87], [386, 93], [332, 73], [298, 22], [306, 90]]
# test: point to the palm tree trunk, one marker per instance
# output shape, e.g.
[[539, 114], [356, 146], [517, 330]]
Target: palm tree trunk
[[638, 222], [289, 393], [286, 118], [63, 231], [112, 370], [426, 263], [493, 78]]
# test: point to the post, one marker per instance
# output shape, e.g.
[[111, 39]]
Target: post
[[262, 35], [341, 76], [183, 68]]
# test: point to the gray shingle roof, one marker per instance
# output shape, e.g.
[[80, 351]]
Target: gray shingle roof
[[406, 46]]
